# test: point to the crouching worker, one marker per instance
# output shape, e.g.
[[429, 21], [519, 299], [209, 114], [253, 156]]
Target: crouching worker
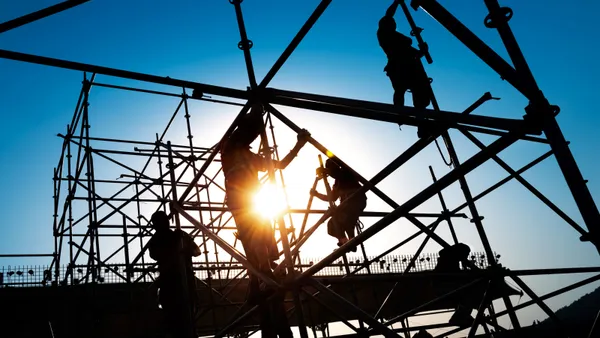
[[345, 218], [449, 262], [173, 251]]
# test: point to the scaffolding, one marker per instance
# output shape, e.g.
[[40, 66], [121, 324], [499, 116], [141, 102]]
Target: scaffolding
[[101, 226]]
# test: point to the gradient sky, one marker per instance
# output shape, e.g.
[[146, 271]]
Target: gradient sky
[[197, 40]]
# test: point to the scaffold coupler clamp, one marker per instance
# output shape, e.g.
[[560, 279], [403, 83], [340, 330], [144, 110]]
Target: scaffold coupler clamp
[[87, 85], [245, 44], [415, 4], [588, 237], [537, 111], [498, 17]]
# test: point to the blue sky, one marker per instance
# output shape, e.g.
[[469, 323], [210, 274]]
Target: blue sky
[[340, 56]]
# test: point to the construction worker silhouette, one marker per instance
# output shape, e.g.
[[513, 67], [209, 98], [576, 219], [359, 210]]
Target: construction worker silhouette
[[240, 168], [345, 218], [449, 261], [404, 67], [173, 251]]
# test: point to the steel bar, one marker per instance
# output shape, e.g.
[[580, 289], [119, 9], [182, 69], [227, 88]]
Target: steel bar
[[197, 190], [500, 22], [406, 270], [245, 44], [552, 294], [374, 323], [450, 333], [471, 41], [98, 261], [42, 13], [288, 258], [210, 89], [190, 207], [236, 319], [504, 180], [481, 309], [103, 139], [126, 250], [593, 329], [147, 91], [26, 255], [92, 150], [390, 113], [396, 246], [399, 330], [105, 202], [330, 310], [488, 131], [527, 185], [295, 42], [541, 304], [575, 181], [71, 223], [433, 301], [445, 210]]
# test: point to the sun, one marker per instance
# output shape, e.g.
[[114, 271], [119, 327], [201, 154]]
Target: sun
[[269, 202]]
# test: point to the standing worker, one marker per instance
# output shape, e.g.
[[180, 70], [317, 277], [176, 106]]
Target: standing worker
[[404, 67], [173, 251], [240, 168]]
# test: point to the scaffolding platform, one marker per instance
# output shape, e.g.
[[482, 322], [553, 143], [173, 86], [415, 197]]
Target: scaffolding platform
[[131, 310]]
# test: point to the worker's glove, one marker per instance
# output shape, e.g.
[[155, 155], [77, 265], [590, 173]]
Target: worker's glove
[[321, 172], [303, 136]]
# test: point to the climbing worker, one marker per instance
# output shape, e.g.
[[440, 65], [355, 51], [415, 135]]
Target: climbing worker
[[345, 218], [240, 168], [173, 252], [404, 67], [448, 262]]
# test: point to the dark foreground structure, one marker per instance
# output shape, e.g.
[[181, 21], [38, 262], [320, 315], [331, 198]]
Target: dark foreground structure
[[101, 226], [131, 310]]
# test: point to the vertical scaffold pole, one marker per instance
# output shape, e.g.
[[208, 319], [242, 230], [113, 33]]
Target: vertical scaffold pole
[[283, 234]]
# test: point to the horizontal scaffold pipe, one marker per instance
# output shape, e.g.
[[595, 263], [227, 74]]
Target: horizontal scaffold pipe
[[164, 80], [322, 211], [389, 113]]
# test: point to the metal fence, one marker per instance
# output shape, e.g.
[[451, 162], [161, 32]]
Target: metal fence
[[44, 275]]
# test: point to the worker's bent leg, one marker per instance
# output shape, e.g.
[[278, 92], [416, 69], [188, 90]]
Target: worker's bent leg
[[335, 229], [280, 316]]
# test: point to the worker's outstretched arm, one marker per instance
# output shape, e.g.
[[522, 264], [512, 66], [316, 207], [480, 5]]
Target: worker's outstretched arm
[[391, 11], [303, 136], [318, 195]]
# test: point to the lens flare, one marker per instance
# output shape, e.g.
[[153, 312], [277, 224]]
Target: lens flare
[[269, 201]]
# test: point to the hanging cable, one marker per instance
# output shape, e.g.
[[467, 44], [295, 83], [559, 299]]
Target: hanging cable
[[449, 162]]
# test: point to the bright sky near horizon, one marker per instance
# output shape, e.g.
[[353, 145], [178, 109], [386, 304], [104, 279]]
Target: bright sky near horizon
[[197, 41]]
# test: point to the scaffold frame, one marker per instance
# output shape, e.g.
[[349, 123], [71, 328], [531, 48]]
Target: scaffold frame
[[197, 199]]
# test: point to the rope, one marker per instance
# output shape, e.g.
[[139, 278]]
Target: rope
[[360, 225], [449, 162]]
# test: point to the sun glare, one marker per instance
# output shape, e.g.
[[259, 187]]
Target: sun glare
[[269, 201]]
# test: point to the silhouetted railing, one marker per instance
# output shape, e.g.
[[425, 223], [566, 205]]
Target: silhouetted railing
[[40, 276]]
